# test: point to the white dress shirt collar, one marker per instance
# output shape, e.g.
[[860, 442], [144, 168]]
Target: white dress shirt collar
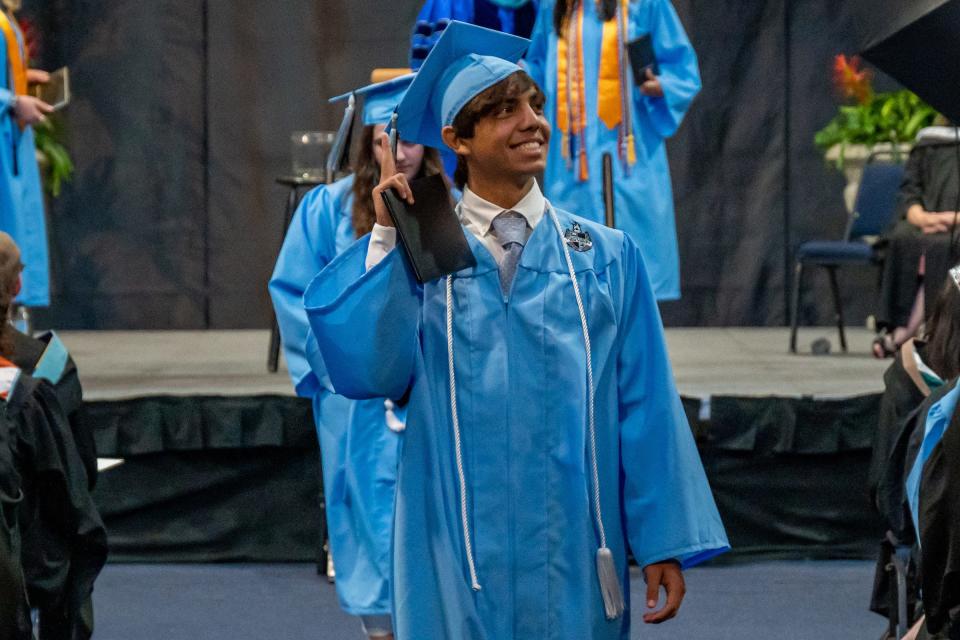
[[477, 213]]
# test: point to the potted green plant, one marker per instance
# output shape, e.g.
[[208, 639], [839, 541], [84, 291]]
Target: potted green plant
[[868, 122]]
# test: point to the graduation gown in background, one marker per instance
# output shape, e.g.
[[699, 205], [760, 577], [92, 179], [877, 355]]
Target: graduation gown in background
[[521, 382], [644, 197], [359, 452], [939, 534], [906, 387], [47, 357], [64, 543], [21, 196], [510, 16], [15, 610]]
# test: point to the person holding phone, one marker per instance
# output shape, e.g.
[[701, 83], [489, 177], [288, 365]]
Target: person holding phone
[[358, 440], [579, 55], [544, 432], [21, 195]]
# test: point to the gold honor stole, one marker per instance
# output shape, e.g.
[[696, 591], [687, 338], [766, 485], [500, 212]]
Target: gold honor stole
[[17, 64], [613, 95]]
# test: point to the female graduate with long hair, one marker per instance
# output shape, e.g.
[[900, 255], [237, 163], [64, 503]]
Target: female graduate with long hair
[[578, 56], [358, 444]]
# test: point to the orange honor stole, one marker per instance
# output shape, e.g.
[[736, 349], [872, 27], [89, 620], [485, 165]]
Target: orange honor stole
[[613, 95], [18, 65]]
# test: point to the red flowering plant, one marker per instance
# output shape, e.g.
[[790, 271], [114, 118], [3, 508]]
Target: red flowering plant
[[53, 156], [866, 117]]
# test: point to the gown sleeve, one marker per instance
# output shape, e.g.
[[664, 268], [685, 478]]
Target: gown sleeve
[[679, 71], [308, 246], [366, 323], [670, 511]]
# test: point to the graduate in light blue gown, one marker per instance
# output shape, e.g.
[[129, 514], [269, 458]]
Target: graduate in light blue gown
[[357, 443], [595, 108], [532, 455], [21, 196], [510, 16]]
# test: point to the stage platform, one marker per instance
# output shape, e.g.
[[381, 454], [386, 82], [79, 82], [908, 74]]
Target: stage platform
[[707, 362], [221, 460]]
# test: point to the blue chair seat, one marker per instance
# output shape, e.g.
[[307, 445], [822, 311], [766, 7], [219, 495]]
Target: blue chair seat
[[835, 252]]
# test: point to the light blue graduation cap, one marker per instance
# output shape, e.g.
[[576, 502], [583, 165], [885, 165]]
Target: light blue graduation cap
[[466, 60], [380, 100]]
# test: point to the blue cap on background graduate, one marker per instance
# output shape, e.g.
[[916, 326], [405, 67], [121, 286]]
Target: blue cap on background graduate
[[466, 61], [380, 99]]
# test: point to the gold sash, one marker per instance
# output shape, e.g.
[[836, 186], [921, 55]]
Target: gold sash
[[17, 64]]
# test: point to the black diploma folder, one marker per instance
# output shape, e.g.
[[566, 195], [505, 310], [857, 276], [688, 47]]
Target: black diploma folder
[[641, 55], [429, 229]]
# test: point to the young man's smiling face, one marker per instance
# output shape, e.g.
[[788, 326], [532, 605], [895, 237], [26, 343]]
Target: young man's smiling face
[[514, 138], [503, 133]]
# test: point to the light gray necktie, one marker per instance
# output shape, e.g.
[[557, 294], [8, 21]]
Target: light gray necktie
[[511, 230]]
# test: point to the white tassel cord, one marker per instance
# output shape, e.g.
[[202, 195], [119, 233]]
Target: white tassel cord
[[610, 589], [394, 423], [468, 545]]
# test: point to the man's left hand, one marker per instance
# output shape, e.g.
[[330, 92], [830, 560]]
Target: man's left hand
[[669, 575], [651, 86]]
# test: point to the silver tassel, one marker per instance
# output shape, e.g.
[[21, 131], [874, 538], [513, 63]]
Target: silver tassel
[[609, 584]]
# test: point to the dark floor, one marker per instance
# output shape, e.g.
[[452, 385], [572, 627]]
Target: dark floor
[[775, 600]]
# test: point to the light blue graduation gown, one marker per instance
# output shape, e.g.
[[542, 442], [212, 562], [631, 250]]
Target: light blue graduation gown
[[644, 198], [21, 196], [359, 452], [521, 381]]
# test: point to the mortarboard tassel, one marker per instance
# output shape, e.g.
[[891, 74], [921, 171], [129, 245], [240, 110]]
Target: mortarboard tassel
[[609, 584]]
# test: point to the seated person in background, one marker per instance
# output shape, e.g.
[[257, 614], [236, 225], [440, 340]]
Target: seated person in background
[[920, 368], [46, 357], [62, 538], [918, 245]]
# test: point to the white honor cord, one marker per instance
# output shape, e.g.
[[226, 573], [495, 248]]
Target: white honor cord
[[468, 545], [592, 428]]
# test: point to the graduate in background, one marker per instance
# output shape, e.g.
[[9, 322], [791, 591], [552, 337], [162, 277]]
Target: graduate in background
[[357, 444], [21, 197], [62, 539], [578, 56], [510, 16], [544, 431], [47, 357]]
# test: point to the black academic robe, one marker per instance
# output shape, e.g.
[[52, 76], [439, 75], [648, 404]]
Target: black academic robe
[[940, 532], [27, 352], [888, 491], [903, 391], [63, 540], [14, 608], [930, 180]]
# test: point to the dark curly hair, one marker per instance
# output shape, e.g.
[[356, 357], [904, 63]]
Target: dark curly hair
[[367, 175], [484, 104]]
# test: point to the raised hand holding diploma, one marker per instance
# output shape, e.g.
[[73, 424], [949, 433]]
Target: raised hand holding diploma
[[390, 178]]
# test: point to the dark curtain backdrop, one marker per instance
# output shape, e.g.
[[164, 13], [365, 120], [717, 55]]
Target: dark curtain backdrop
[[182, 113]]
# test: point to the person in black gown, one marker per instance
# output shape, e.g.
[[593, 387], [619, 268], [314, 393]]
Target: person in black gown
[[918, 246]]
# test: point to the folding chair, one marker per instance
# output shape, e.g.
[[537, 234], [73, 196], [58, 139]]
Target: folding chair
[[873, 210]]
